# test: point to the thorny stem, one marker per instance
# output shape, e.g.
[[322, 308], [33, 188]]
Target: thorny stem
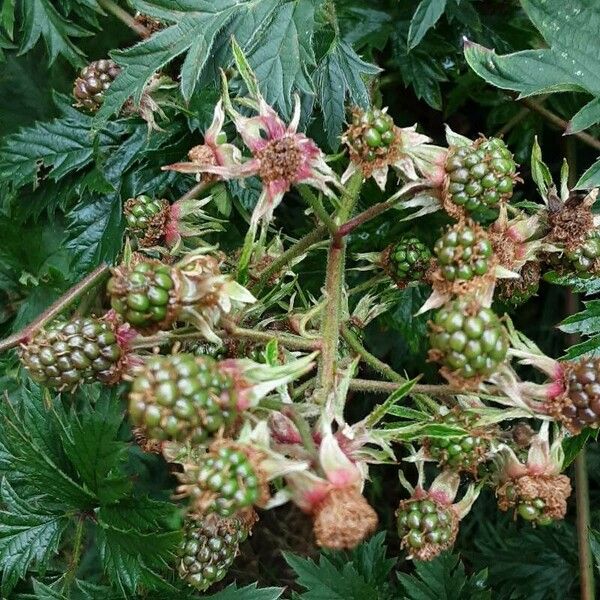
[[376, 210], [315, 203], [367, 285], [379, 366], [334, 284], [231, 331], [76, 555], [560, 123], [61, 304], [300, 247], [387, 387], [125, 17]]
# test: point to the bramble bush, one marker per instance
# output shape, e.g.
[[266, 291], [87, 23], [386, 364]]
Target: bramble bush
[[278, 320]]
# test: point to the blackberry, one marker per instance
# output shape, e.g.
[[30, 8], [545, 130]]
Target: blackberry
[[209, 547], [479, 175], [578, 406], [426, 527], [147, 219], [464, 252], [372, 139], [461, 453], [407, 260], [539, 499], [585, 258], [142, 295], [468, 340], [515, 292], [73, 352], [93, 81], [226, 481], [182, 398]]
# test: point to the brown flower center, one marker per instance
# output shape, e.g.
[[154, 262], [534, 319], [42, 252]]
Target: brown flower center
[[280, 159]]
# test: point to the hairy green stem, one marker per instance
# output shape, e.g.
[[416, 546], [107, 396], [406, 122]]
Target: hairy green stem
[[367, 285], [379, 366], [75, 556], [300, 247], [125, 17], [231, 331], [61, 304], [378, 209], [334, 285], [244, 261], [315, 203], [387, 387]]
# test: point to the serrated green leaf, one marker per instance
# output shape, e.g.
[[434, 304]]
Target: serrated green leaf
[[41, 20], [281, 62], [585, 322], [62, 145], [278, 49], [586, 285], [572, 445], [590, 179], [95, 233], [89, 439], [32, 452], [586, 117], [249, 592], [443, 578], [426, 16], [30, 533], [340, 75], [134, 555], [325, 581]]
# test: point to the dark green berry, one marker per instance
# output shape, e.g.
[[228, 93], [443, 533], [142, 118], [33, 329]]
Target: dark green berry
[[226, 481], [426, 527], [460, 453], [371, 134], [480, 174], [464, 252], [407, 260], [208, 549], [584, 259], [146, 219], [142, 294], [468, 340], [182, 398], [73, 352]]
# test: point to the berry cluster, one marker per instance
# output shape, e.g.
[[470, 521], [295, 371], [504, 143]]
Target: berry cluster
[[146, 219], [93, 81], [70, 353], [182, 398], [468, 340], [479, 175], [226, 480], [141, 294], [426, 527], [464, 252], [209, 547], [407, 260], [462, 453]]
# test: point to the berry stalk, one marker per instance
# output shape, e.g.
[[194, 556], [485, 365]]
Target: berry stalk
[[55, 309]]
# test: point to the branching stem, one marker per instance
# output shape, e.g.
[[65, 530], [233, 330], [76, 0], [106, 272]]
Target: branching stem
[[379, 366], [125, 17], [387, 387], [231, 331], [61, 304]]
